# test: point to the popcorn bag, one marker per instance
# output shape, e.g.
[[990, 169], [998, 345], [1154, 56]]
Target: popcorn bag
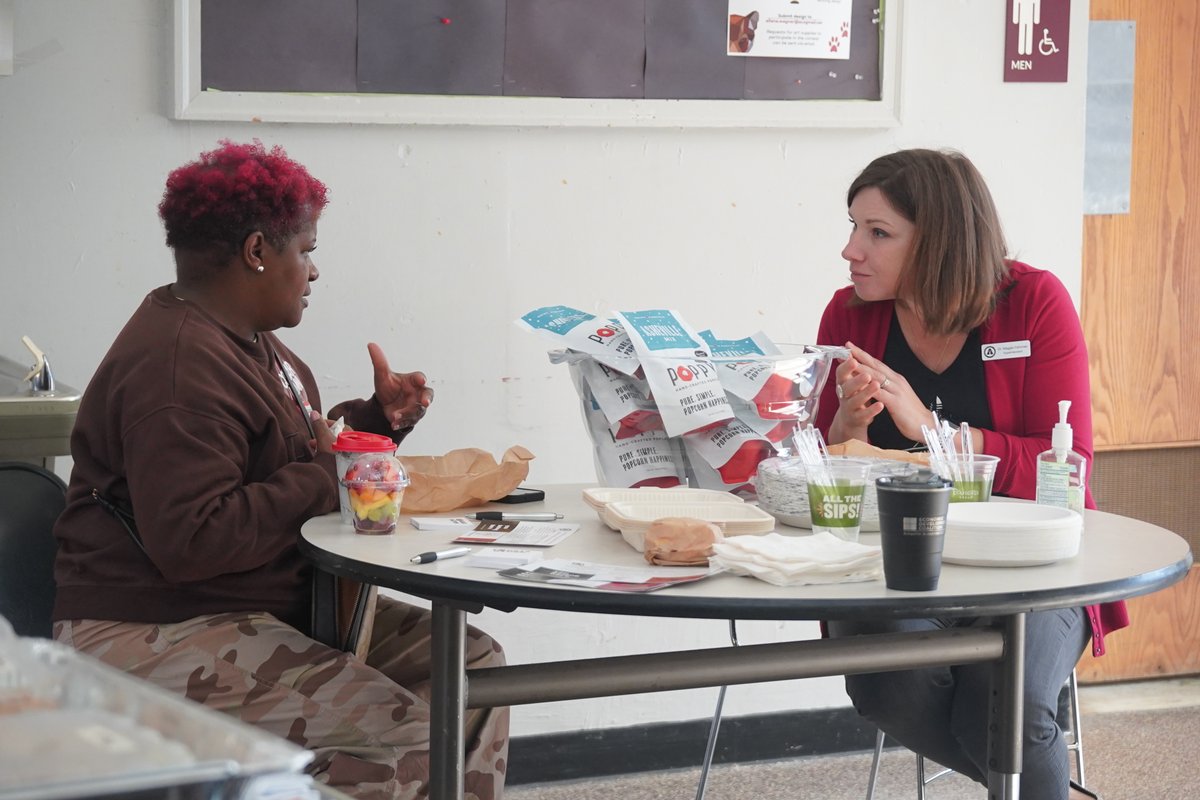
[[667, 405]]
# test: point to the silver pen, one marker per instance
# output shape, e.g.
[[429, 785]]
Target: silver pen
[[438, 555], [507, 516]]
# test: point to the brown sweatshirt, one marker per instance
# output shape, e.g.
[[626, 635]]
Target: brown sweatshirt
[[196, 431]]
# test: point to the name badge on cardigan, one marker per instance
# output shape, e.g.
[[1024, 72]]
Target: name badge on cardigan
[[998, 351]]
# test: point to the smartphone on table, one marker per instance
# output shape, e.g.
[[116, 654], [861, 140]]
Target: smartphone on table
[[523, 494]]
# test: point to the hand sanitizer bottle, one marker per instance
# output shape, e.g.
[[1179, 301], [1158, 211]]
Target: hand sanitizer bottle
[[1061, 472]]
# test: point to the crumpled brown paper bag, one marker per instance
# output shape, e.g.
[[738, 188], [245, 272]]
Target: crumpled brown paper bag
[[466, 477]]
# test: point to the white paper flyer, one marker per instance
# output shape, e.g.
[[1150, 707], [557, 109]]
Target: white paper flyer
[[790, 28]]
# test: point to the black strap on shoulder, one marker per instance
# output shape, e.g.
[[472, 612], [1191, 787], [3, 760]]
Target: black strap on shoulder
[[123, 516]]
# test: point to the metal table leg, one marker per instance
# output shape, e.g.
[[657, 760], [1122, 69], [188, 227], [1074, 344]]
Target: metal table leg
[[1006, 714], [447, 749], [715, 727]]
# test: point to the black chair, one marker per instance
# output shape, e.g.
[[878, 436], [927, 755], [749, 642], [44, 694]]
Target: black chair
[[31, 498]]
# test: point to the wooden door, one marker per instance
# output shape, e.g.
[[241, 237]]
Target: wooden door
[[1141, 319]]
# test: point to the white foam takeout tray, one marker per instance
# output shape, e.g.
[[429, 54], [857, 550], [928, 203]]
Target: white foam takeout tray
[[634, 518], [999, 534], [600, 497]]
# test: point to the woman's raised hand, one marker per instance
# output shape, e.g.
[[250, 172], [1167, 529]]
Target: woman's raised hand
[[403, 395]]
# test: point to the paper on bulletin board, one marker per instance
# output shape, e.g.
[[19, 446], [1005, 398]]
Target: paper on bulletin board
[[790, 28], [6, 37]]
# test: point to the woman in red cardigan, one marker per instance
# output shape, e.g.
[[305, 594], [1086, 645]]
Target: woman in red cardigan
[[938, 319]]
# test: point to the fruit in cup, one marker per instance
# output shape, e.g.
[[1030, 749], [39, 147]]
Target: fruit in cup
[[375, 486]]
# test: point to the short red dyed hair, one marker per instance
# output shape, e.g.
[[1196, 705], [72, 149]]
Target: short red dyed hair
[[213, 203]]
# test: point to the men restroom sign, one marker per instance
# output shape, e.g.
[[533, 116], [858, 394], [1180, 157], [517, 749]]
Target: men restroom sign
[[1036, 34]]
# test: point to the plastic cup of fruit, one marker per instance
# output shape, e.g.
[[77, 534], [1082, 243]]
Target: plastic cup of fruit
[[350, 447], [375, 505], [375, 486]]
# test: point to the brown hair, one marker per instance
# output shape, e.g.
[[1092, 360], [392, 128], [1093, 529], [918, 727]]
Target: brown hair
[[958, 256]]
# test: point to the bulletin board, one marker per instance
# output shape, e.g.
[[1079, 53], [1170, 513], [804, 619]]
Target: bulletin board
[[534, 62]]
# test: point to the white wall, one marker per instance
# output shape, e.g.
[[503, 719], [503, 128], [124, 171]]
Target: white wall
[[437, 238]]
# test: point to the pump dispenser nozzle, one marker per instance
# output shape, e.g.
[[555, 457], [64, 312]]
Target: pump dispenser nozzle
[[1062, 437]]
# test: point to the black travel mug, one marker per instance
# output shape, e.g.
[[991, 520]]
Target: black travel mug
[[912, 528]]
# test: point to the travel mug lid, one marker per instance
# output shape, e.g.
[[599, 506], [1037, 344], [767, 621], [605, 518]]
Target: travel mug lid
[[922, 480]]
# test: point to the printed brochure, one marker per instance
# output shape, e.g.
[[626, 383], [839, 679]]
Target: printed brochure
[[608, 577]]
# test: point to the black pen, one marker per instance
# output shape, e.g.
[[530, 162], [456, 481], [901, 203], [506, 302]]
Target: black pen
[[506, 516], [437, 555]]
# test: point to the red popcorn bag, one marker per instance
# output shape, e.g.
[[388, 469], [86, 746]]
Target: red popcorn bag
[[603, 339], [726, 457], [649, 458], [621, 399], [775, 430], [675, 361]]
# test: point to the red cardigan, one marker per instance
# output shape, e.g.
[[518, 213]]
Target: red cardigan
[[1022, 392]]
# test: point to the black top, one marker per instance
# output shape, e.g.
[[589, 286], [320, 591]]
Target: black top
[[959, 394]]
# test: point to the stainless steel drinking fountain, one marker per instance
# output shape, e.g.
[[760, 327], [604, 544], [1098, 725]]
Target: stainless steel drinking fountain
[[36, 411]]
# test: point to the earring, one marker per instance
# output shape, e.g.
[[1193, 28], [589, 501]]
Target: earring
[[259, 268]]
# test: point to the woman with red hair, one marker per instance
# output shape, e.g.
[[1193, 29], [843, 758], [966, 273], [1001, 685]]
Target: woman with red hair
[[199, 451]]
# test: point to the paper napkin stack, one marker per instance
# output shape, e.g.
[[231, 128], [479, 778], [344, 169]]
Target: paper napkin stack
[[796, 560]]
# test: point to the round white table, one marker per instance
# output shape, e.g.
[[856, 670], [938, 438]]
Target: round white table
[[1119, 558]]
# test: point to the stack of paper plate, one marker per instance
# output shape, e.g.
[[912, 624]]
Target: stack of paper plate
[[600, 497], [634, 518], [1010, 534]]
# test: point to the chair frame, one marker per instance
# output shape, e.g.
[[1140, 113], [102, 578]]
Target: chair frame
[[1073, 735]]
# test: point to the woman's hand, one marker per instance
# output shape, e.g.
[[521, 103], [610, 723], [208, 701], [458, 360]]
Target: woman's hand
[[403, 396], [893, 392], [323, 429], [857, 390]]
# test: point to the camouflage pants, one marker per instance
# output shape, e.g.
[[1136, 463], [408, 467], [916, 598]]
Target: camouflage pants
[[367, 723]]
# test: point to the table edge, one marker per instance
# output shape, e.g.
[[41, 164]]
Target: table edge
[[475, 595]]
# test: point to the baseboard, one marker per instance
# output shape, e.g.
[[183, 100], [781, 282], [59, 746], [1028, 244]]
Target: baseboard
[[675, 745]]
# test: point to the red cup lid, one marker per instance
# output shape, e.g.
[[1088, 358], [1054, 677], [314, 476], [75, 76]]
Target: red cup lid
[[362, 442]]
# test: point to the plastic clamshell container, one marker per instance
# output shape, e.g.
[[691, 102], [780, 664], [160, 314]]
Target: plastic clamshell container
[[634, 518], [600, 498], [74, 727]]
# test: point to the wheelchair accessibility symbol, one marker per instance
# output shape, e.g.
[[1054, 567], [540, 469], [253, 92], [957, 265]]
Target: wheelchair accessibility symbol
[[1046, 46]]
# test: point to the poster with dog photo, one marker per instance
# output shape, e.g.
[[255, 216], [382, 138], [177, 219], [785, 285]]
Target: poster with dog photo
[[790, 28]]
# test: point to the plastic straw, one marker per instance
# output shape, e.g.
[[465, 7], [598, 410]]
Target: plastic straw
[[943, 456], [810, 446]]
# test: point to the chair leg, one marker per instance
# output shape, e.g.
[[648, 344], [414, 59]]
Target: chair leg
[[711, 747], [922, 780], [880, 736], [1076, 741]]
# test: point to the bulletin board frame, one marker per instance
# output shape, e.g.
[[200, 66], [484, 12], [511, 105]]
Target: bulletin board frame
[[193, 104]]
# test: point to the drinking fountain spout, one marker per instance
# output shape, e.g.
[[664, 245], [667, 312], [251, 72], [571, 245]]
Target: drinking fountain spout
[[40, 377]]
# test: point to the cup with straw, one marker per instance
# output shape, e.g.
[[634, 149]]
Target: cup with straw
[[835, 486], [972, 473]]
